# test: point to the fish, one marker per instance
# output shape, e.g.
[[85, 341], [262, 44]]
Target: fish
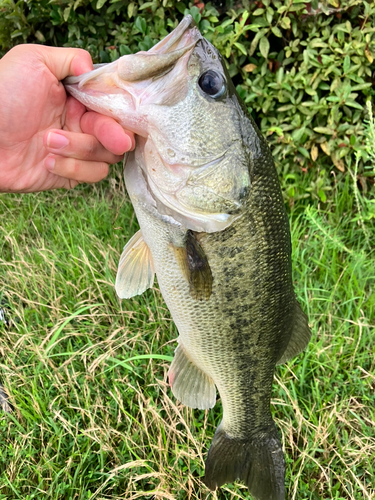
[[214, 231]]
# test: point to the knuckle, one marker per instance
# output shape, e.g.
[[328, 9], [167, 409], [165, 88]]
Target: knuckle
[[83, 54], [103, 170], [73, 168], [77, 171], [92, 147]]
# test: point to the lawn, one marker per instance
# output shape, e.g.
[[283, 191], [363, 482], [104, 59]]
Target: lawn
[[94, 417]]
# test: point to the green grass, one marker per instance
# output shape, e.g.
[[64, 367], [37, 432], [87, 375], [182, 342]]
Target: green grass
[[94, 417]]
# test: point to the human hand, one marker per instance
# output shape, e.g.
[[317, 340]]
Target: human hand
[[47, 139]]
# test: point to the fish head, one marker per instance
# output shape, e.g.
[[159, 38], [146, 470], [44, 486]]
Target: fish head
[[179, 100]]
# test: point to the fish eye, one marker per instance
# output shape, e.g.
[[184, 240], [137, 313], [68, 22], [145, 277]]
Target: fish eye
[[212, 83]]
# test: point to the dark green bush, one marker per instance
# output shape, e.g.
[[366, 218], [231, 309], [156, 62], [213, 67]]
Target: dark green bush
[[304, 69]]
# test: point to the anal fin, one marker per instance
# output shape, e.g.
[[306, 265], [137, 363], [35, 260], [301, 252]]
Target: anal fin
[[300, 337], [190, 384], [135, 272]]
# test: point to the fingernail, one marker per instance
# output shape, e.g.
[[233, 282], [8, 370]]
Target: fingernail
[[128, 144], [49, 163], [131, 143], [56, 141]]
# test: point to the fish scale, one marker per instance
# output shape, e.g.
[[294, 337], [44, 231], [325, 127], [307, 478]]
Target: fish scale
[[214, 230]]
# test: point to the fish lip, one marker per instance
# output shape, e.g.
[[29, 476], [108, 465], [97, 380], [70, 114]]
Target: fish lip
[[164, 47], [167, 43], [80, 80]]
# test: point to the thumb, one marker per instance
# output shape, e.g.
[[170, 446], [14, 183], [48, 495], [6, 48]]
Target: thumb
[[63, 62]]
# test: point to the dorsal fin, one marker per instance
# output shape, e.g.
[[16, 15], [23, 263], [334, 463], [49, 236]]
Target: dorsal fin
[[300, 337], [135, 272]]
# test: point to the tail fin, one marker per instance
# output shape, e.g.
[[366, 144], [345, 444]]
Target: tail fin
[[259, 462]]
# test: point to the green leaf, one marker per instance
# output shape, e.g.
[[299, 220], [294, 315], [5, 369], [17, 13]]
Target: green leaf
[[346, 65], [124, 50], [100, 3], [256, 39], [361, 86], [285, 23], [180, 7], [146, 5], [258, 12], [324, 130], [309, 104], [280, 75], [278, 131], [322, 195], [226, 23], [353, 104], [264, 46], [131, 7], [343, 152], [67, 13], [304, 152], [241, 48], [140, 23], [260, 23], [317, 42], [287, 107], [40, 37], [276, 31], [298, 133], [195, 13], [16, 33]]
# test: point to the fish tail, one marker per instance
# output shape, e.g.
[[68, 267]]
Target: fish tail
[[258, 461]]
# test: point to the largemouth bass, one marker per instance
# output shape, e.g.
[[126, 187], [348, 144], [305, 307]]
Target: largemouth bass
[[215, 232]]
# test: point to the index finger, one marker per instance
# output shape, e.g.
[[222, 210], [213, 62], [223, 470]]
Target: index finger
[[63, 62]]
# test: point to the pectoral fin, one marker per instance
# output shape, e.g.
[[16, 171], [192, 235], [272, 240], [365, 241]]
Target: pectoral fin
[[135, 272], [300, 337], [190, 384], [195, 267]]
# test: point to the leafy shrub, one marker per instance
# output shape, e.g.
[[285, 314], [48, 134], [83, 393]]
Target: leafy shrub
[[304, 69]]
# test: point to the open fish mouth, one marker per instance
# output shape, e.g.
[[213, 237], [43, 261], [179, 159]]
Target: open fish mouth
[[134, 76], [155, 62]]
